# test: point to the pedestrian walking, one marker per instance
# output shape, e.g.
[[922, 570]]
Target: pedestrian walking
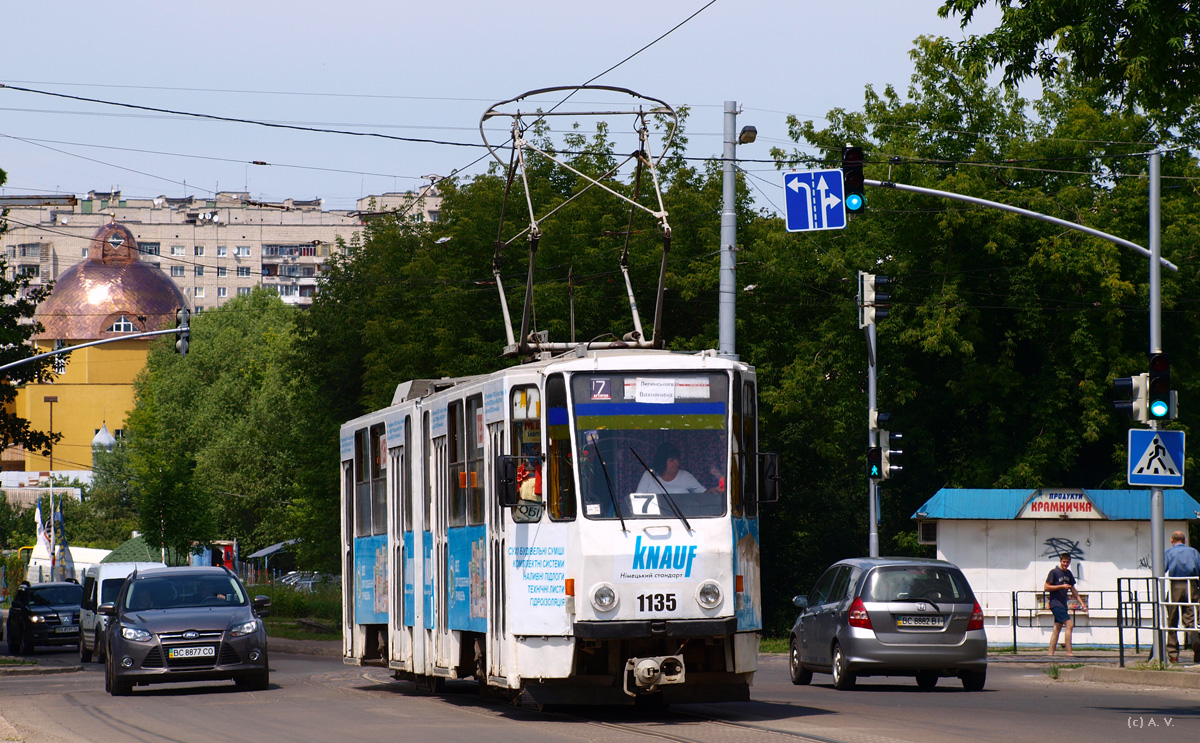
[[1183, 573], [1060, 586]]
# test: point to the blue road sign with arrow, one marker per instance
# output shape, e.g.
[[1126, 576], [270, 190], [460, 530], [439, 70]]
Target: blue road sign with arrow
[[1155, 458], [814, 200]]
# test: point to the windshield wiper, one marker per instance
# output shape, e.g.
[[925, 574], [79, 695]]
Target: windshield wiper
[[670, 500], [909, 600], [611, 495]]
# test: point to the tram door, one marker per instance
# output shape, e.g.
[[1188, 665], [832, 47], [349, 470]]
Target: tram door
[[442, 652], [400, 581], [347, 558], [496, 630]]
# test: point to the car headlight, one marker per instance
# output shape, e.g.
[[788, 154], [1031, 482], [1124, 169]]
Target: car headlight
[[604, 597], [709, 595], [37, 618], [133, 633], [245, 628]]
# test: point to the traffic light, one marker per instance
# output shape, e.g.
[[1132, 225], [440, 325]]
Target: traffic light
[[872, 303], [182, 320], [852, 179], [888, 442], [874, 462], [1159, 397], [1136, 407]]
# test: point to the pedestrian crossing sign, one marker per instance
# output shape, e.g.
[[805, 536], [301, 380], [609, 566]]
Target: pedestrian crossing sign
[[1155, 458]]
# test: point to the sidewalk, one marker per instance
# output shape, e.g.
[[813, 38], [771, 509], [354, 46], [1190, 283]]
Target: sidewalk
[[1102, 665]]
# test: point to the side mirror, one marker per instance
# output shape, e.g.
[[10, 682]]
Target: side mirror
[[107, 610], [507, 487], [801, 602], [768, 477], [262, 605]]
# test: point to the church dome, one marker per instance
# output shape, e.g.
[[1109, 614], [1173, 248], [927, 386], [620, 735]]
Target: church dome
[[109, 293]]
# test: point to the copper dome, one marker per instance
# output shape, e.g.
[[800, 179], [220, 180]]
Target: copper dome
[[91, 297]]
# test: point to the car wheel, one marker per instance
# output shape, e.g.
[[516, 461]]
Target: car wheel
[[113, 683], [974, 680], [26, 644], [927, 679], [14, 642], [85, 655], [801, 676], [843, 677], [254, 682], [98, 647]]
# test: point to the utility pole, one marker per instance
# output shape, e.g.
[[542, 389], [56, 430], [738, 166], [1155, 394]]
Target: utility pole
[[728, 283], [726, 346]]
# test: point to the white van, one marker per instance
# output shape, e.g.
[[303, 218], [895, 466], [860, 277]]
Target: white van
[[101, 584]]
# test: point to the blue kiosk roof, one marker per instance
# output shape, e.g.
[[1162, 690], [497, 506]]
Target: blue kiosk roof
[[999, 504]]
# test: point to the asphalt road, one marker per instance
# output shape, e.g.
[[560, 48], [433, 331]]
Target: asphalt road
[[320, 699]]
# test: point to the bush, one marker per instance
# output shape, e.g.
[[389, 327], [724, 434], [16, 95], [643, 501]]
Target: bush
[[324, 601]]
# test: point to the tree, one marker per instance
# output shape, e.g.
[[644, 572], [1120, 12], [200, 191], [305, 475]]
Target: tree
[[18, 302], [1146, 53]]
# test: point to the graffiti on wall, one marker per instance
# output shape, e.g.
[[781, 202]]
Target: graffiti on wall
[[1055, 546]]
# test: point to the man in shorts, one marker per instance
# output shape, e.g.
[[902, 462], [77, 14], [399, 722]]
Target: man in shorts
[[1060, 586]]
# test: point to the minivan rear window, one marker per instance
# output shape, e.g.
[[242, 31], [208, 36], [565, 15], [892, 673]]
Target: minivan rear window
[[919, 582]]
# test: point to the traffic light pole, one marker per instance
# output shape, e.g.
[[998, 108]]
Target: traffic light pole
[[69, 349], [1157, 520], [872, 441]]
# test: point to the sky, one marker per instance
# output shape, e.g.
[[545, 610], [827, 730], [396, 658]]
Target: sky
[[417, 70]]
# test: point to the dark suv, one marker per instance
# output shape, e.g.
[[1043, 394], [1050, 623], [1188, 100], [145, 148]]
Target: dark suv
[[44, 614], [185, 624]]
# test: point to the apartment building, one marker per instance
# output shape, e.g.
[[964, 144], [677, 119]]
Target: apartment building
[[211, 248]]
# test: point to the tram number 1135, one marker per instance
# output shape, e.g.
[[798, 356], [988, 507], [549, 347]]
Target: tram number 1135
[[656, 602]]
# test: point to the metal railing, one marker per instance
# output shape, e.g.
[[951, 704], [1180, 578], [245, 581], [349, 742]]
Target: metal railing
[[1028, 607]]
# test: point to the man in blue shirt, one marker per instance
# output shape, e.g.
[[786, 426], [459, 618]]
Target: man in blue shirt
[[1060, 587], [1183, 567]]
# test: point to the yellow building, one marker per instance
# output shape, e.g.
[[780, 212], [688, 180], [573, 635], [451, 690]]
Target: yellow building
[[110, 294]]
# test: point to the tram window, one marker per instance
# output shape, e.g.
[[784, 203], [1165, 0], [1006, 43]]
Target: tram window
[[737, 460], [750, 449], [362, 484], [378, 480], [428, 475], [472, 479], [457, 446], [527, 443], [406, 476], [560, 466]]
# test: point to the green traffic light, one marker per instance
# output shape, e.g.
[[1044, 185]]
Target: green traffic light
[[1159, 408]]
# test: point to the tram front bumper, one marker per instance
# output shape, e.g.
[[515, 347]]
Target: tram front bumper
[[642, 628]]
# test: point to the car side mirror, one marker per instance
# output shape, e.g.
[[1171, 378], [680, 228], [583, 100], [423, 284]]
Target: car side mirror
[[768, 477], [108, 610], [262, 605], [507, 487], [801, 602]]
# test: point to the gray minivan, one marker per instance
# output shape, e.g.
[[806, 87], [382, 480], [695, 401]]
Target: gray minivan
[[890, 616]]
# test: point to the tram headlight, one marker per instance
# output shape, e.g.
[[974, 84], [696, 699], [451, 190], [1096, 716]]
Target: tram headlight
[[604, 597], [709, 595]]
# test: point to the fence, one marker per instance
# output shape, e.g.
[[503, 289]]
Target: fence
[[1146, 605]]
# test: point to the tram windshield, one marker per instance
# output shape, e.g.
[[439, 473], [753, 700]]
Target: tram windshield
[[652, 445]]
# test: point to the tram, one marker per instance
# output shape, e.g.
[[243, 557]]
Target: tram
[[582, 527], [515, 527]]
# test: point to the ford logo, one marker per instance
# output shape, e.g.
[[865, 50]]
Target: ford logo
[[192, 634]]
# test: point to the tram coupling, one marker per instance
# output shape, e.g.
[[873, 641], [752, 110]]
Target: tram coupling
[[650, 673]]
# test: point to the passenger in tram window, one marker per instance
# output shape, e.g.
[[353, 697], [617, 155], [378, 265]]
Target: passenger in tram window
[[673, 477], [529, 474]]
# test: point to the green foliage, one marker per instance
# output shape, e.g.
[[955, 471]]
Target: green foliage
[[221, 441], [1143, 53], [324, 602], [16, 525]]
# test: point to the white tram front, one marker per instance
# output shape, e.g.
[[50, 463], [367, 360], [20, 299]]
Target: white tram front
[[529, 528]]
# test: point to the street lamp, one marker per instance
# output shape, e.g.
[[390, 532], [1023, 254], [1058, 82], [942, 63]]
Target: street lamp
[[51, 399], [728, 285]]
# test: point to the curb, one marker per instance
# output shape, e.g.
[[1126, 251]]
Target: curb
[[1111, 675], [36, 670]]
